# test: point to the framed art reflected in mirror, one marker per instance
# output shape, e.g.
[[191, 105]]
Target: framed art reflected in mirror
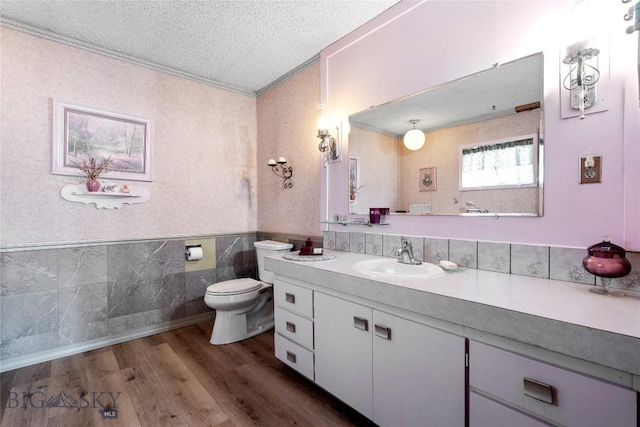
[[427, 178]]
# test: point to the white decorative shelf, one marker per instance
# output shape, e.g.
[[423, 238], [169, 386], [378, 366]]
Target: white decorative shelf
[[104, 199]]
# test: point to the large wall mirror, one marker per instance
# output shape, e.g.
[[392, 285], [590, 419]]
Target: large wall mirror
[[482, 154]]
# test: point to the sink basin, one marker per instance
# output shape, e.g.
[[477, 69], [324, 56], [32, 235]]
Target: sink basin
[[392, 268]]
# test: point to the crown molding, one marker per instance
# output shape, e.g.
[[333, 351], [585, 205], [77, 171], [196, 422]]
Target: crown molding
[[315, 59], [45, 34]]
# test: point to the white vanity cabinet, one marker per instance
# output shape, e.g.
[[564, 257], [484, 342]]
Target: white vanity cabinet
[[393, 370], [507, 388], [524, 369], [418, 374], [343, 351], [293, 316]]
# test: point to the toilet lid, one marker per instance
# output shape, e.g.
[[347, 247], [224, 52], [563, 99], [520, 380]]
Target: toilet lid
[[272, 245], [234, 287]]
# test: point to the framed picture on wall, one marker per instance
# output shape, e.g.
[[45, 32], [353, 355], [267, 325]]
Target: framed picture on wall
[[427, 179], [81, 132]]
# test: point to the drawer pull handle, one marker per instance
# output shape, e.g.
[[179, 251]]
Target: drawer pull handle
[[383, 332], [291, 327], [538, 390], [291, 357], [290, 298], [360, 323]]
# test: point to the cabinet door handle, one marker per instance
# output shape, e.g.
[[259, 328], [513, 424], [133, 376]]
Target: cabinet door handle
[[360, 323], [291, 357], [290, 298], [538, 390], [383, 332], [291, 327]]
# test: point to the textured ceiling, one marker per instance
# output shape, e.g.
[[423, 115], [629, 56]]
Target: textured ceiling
[[240, 45]]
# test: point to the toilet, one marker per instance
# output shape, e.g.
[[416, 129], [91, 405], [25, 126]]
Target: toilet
[[244, 307]]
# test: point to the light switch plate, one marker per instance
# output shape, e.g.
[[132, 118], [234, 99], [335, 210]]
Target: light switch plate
[[591, 175]]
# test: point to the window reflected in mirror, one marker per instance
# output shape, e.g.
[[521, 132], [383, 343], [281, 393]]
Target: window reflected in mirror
[[505, 164]]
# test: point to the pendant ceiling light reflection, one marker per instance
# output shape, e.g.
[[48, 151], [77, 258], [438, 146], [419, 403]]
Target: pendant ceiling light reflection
[[414, 139]]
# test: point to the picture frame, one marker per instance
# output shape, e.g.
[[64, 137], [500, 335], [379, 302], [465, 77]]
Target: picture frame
[[427, 180], [81, 131]]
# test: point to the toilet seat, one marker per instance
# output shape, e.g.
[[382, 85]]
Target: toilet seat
[[233, 287]]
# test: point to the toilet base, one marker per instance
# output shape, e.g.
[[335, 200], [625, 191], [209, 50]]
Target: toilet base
[[237, 325], [227, 334]]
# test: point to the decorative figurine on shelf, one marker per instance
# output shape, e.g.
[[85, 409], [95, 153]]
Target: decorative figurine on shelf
[[607, 261], [111, 188], [92, 168]]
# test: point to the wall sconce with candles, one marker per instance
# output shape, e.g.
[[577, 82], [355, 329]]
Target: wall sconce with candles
[[582, 78], [414, 139], [329, 145], [281, 170]]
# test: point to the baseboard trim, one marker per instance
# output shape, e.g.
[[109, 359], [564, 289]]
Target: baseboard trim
[[47, 355]]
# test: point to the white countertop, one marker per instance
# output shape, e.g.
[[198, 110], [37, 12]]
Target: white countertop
[[559, 316]]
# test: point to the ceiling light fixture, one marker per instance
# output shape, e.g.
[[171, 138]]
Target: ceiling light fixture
[[414, 139]]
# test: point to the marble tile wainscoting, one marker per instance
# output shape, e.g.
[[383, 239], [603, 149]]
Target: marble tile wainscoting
[[56, 301], [556, 263]]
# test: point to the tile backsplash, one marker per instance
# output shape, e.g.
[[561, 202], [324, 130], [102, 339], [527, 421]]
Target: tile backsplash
[[494, 257], [464, 253], [529, 260], [555, 263]]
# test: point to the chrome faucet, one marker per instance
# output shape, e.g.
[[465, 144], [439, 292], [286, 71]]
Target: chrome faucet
[[405, 253], [474, 208]]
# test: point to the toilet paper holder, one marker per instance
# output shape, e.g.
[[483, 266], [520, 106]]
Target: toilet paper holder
[[193, 252]]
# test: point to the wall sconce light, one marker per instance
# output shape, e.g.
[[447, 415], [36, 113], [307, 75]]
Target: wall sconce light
[[328, 144], [281, 170], [633, 11], [414, 139], [583, 75]]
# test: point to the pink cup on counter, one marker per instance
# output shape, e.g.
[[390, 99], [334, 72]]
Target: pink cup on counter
[[378, 215]]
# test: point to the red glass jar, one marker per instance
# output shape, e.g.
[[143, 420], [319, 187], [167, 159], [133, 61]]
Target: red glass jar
[[606, 259]]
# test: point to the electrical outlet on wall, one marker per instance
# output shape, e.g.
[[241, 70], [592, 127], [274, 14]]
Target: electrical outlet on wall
[[590, 170]]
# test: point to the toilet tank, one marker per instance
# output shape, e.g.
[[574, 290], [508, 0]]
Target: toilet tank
[[269, 247]]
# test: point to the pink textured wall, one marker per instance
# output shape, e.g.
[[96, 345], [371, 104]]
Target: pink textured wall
[[416, 45], [287, 125], [378, 157], [204, 173]]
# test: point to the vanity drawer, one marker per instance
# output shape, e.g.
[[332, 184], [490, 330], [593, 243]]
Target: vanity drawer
[[294, 327], [548, 391], [484, 412], [293, 297], [297, 357]]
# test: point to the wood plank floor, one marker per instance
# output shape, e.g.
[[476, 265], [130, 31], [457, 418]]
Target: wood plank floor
[[171, 379]]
